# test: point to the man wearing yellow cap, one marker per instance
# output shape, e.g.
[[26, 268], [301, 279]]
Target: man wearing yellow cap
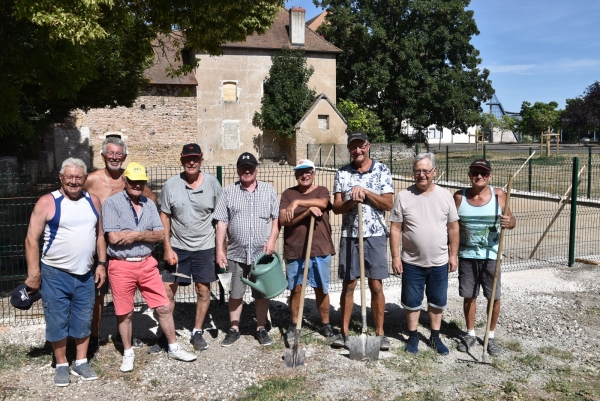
[[133, 227]]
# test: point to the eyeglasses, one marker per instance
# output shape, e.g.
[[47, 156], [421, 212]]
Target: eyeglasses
[[304, 172], [77, 178], [114, 154], [424, 172], [481, 173]]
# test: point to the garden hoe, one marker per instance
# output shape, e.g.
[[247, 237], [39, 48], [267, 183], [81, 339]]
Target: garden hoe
[[496, 273], [363, 348], [294, 357]]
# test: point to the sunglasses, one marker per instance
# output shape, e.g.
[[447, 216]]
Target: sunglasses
[[481, 173]]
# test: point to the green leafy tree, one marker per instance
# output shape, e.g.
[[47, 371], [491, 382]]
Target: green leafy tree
[[409, 59], [583, 112], [538, 118], [286, 94], [487, 122], [507, 124], [361, 119]]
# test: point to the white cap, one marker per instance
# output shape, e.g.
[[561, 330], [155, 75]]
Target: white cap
[[304, 163]]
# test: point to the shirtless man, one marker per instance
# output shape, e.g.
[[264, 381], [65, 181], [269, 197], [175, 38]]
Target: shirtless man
[[104, 183]]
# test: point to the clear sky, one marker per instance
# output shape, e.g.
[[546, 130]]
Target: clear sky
[[536, 50]]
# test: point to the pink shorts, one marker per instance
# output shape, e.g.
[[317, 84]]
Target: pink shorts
[[126, 276]]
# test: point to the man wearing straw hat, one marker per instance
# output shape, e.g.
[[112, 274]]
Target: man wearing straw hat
[[187, 202], [480, 209], [297, 205]]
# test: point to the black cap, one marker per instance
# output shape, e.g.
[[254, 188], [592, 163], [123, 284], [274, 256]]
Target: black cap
[[20, 299], [482, 163], [247, 158], [357, 135], [191, 149]]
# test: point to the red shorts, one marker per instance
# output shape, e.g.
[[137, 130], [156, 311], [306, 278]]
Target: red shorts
[[126, 276]]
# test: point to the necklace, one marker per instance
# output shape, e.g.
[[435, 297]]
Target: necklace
[[112, 186]]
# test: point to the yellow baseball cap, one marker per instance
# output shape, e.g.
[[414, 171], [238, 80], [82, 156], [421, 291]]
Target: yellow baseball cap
[[135, 172]]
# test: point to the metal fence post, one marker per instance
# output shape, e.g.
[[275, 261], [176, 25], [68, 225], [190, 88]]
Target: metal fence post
[[484, 151], [307, 155], [530, 171], [220, 179], [334, 165], [391, 159], [320, 152], [589, 168], [416, 149], [573, 223], [447, 163]]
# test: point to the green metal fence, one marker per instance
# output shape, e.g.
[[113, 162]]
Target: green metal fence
[[547, 233]]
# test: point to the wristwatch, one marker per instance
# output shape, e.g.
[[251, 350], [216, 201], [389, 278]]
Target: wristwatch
[[102, 264]]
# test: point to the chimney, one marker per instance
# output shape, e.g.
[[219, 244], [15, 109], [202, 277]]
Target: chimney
[[297, 25]]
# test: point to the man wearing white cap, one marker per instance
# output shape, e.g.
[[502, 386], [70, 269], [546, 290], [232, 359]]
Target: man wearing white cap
[[297, 205]]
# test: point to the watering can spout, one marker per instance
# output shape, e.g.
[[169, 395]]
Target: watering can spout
[[267, 275]]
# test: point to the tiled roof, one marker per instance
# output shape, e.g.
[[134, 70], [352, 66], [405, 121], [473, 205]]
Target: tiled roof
[[316, 21], [318, 98], [164, 56], [277, 37]]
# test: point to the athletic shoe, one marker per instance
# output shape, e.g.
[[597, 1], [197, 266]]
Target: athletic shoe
[[412, 345], [84, 371], [127, 365], [384, 344], [182, 355], [199, 342], [61, 377], [160, 346], [327, 331], [263, 337], [291, 332], [231, 337], [93, 348], [493, 347], [340, 341], [466, 343], [437, 344]]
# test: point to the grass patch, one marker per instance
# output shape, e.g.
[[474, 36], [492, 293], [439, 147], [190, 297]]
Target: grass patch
[[580, 385], [278, 389], [429, 395], [512, 345], [16, 356], [422, 364], [557, 353], [533, 362], [593, 311], [510, 388]]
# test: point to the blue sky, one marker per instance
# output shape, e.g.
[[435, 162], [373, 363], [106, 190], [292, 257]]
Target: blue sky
[[536, 50]]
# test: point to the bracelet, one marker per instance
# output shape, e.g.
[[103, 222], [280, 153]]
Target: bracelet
[[102, 264]]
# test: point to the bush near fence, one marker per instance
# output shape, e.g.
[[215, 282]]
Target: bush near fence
[[537, 190]]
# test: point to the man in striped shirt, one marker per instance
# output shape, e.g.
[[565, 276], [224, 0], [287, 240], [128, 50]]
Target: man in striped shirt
[[248, 212]]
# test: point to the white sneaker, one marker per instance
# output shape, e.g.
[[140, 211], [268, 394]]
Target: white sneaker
[[127, 365], [181, 355]]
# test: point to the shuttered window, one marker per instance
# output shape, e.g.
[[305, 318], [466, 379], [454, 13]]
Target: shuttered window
[[323, 121], [230, 91]]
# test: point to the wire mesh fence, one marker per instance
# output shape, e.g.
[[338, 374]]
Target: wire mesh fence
[[540, 201]]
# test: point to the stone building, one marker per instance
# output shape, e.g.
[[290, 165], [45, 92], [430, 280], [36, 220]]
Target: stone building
[[213, 106]]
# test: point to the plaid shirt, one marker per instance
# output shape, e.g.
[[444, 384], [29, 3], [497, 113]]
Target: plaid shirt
[[249, 217]]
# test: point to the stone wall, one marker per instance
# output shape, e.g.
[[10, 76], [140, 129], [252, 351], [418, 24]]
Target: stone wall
[[159, 123], [327, 155]]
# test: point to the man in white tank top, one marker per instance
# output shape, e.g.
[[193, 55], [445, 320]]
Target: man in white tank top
[[481, 213], [70, 219]]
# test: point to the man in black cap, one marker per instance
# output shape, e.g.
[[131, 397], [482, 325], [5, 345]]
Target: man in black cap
[[187, 202], [370, 182], [248, 212], [482, 213]]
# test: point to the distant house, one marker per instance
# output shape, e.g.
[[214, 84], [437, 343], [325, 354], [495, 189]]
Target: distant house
[[214, 105]]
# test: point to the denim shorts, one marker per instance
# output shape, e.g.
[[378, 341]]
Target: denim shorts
[[68, 301], [432, 280], [199, 265], [319, 273]]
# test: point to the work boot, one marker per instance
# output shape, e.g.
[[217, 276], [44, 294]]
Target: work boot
[[466, 343]]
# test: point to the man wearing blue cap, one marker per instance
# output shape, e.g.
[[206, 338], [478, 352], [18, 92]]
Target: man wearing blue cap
[[70, 219]]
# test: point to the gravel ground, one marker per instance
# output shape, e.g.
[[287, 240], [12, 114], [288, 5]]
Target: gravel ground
[[550, 321]]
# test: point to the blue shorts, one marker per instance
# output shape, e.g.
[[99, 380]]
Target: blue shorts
[[200, 265], [68, 301], [319, 273], [432, 280]]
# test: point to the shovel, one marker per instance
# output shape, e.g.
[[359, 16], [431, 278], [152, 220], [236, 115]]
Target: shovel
[[293, 357], [496, 273], [363, 348], [224, 278]]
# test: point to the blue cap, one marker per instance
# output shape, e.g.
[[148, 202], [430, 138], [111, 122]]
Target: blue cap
[[20, 299]]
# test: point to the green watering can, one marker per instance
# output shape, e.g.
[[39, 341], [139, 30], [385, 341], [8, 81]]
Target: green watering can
[[267, 275]]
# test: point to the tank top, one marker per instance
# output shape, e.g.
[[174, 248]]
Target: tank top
[[479, 228], [70, 236]]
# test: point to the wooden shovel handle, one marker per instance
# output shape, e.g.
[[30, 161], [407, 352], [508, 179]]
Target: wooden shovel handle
[[305, 275]]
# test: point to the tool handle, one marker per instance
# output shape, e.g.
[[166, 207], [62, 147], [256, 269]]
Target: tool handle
[[496, 271], [305, 275], [361, 261]]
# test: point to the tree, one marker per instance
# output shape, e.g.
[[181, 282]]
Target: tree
[[61, 55], [286, 94], [538, 118], [507, 124], [408, 60], [583, 112], [361, 119]]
